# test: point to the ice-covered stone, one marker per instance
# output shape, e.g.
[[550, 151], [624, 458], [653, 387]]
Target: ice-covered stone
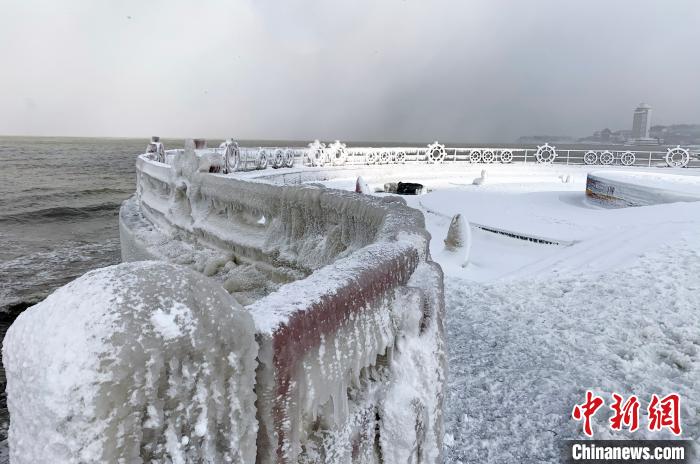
[[140, 362]]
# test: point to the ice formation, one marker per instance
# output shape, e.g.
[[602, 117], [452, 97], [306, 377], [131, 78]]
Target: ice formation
[[326, 278], [346, 308], [139, 362], [412, 424]]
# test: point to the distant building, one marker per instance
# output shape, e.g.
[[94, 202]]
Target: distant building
[[641, 121], [640, 127]]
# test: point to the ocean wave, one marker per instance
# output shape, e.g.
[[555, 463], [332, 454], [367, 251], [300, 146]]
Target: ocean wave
[[29, 278], [41, 190], [58, 213]]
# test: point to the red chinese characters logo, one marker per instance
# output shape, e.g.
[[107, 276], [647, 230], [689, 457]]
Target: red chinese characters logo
[[663, 413], [626, 414], [586, 411]]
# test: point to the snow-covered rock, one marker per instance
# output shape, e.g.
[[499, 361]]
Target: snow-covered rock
[[138, 362]]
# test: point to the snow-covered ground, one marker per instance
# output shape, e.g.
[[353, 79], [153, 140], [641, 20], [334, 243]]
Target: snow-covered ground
[[614, 307]]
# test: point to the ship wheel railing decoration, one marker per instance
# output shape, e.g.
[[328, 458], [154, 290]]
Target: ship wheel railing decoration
[[546, 154], [232, 157]]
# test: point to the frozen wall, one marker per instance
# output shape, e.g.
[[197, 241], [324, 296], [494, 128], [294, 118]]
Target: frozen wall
[[140, 362], [149, 361], [300, 228], [360, 305], [621, 189]]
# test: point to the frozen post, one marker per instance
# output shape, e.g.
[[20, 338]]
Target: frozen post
[[361, 186], [459, 237], [156, 147], [140, 360]]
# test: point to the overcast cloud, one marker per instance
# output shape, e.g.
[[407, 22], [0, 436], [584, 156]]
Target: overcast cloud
[[357, 70]]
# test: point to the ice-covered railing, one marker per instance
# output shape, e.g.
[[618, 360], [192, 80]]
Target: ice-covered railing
[[229, 157], [340, 154], [301, 228], [351, 357]]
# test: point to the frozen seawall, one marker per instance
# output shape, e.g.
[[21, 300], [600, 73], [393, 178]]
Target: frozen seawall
[[343, 311]]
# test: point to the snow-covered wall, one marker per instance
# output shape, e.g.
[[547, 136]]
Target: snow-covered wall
[[621, 189], [352, 304]]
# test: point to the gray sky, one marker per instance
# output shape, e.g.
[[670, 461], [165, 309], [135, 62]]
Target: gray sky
[[483, 70]]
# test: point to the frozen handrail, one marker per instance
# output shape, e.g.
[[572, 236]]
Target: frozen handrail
[[319, 154], [329, 341]]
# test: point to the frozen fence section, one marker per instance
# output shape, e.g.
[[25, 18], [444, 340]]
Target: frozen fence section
[[229, 157], [346, 302], [620, 188]]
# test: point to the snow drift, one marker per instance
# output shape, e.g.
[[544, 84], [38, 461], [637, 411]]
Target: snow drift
[[140, 362]]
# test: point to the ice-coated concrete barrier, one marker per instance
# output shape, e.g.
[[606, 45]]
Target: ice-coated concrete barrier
[[139, 362], [347, 305], [622, 189]]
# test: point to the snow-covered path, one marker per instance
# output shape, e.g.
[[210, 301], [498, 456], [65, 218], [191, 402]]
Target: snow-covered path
[[522, 353]]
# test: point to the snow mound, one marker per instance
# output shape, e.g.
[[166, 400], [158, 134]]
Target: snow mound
[[141, 361]]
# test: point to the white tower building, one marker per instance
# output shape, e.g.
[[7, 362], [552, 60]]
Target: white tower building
[[641, 122]]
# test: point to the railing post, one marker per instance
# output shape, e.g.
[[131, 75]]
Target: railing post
[[649, 159], [567, 157]]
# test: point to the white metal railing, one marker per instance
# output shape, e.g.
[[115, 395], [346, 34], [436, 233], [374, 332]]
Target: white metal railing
[[229, 157]]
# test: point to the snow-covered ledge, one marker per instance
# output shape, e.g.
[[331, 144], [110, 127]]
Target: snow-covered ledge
[[337, 356], [641, 188]]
